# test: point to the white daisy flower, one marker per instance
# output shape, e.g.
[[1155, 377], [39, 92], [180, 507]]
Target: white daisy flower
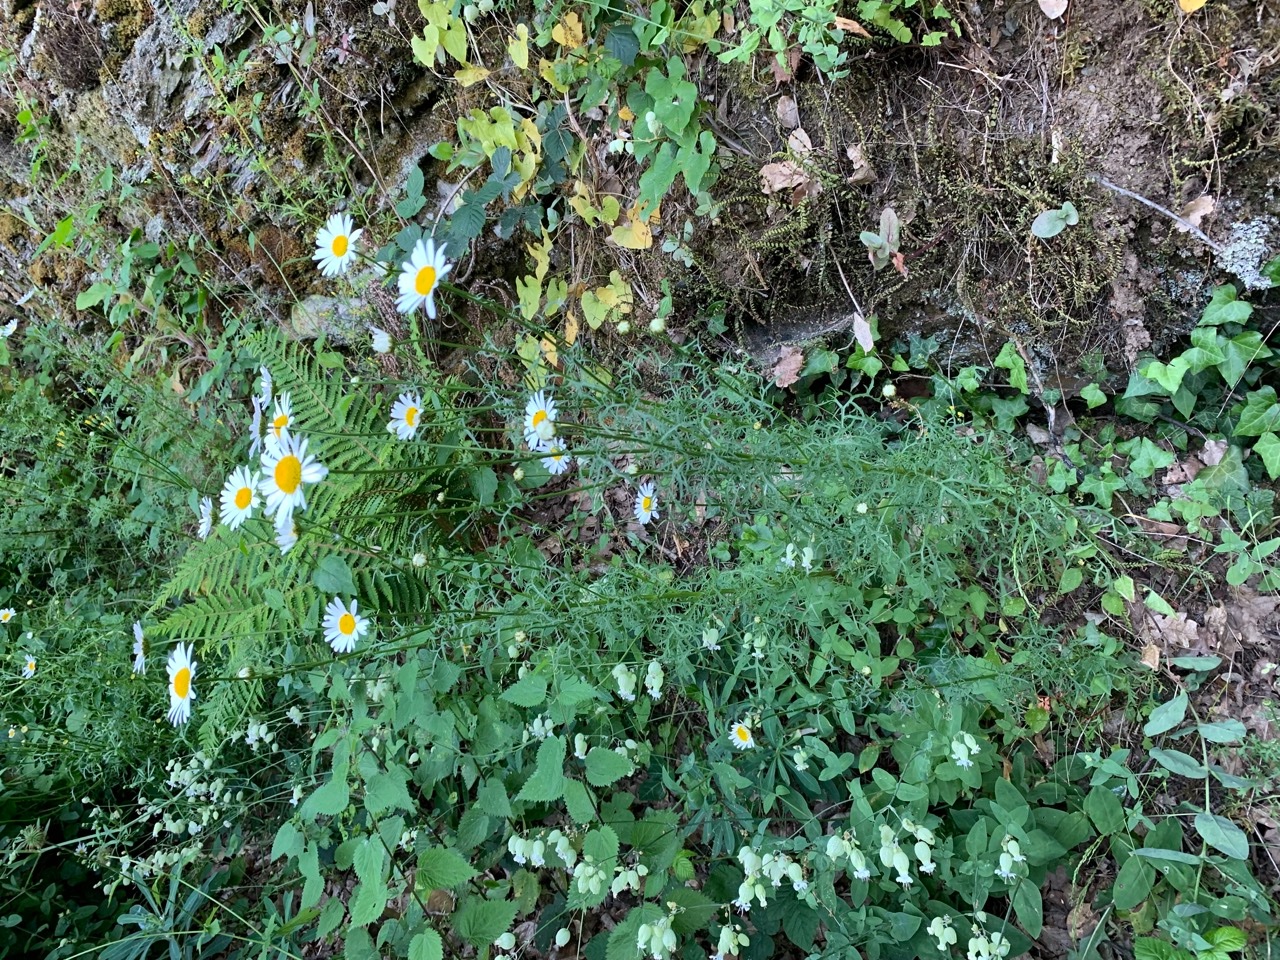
[[558, 460], [29, 667], [381, 340], [7, 330], [182, 670], [282, 419], [405, 416], [336, 245], [239, 496], [286, 466], [342, 627], [740, 736], [7, 614], [646, 503], [287, 536], [539, 420], [139, 650], [265, 386], [206, 518], [420, 275]]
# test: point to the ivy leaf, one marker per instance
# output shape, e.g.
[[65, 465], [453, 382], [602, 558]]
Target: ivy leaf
[[548, 781], [1268, 448], [1009, 359], [1261, 414], [1225, 308], [1093, 396]]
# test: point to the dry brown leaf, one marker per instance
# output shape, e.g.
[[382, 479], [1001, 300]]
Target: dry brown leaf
[[1183, 472], [1195, 211], [863, 172], [799, 142], [1177, 631], [788, 113], [787, 370], [1053, 9], [1213, 451], [1151, 656], [775, 177], [853, 26], [862, 333], [1038, 434]]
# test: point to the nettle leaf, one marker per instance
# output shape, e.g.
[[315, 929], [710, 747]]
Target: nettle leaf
[[480, 922], [578, 802], [387, 791], [1227, 939], [1223, 835], [547, 782], [601, 844], [371, 893], [529, 691], [696, 910], [605, 767], [442, 869], [426, 945]]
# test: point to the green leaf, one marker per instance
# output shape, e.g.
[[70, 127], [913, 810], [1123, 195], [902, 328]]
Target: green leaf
[[1071, 578], [1167, 715], [1184, 765], [1093, 396], [492, 799], [1048, 224], [696, 910], [1169, 376], [426, 946], [1225, 308], [1223, 835], [1158, 603], [903, 926], [800, 924], [605, 767], [1175, 856], [1261, 414], [1029, 906], [288, 842], [94, 295], [601, 844], [547, 781], [622, 940], [1227, 939], [387, 791], [371, 893], [1009, 359], [1133, 883], [1149, 948], [1222, 731], [480, 922], [1104, 809], [330, 800], [529, 691], [332, 577], [440, 868], [1267, 447], [578, 802]]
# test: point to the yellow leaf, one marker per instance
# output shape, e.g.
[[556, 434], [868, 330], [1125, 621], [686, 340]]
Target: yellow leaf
[[541, 253], [469, 75], [634, 234], [625, 114], [568, 32], [549, 351], [518, 47], [1190, 6], [571, 326]]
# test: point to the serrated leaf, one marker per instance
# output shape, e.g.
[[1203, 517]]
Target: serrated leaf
[[605, 767], [529, 691], [288, 842], [492, 799], [547, 781], [387, 791], [696, 910], [1167, 715], [332, 576], [601, 844], [440, 868], [577, 801], [426, 946], [330, 799], [480, 922], [1223, 835], [1227, 939]]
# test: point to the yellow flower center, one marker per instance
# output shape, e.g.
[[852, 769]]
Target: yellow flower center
[[182, 683], [31, 666], [288, 473], [6, 617], [244, 496], [425, 281], [340, 244], [742, 733], [347, 624], [411, 416], [279, 423], [539, 417], [647, 504]]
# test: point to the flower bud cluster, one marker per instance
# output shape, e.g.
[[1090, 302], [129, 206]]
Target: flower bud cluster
[[845, 846], [732, 939], [657, 938]]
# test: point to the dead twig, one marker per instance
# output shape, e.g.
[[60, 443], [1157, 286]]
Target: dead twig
[[1190, 227]]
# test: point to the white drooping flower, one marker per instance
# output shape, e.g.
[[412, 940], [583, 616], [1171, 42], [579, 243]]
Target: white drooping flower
[[653, 677], [963, 747], [940, 929], [626, 682]]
